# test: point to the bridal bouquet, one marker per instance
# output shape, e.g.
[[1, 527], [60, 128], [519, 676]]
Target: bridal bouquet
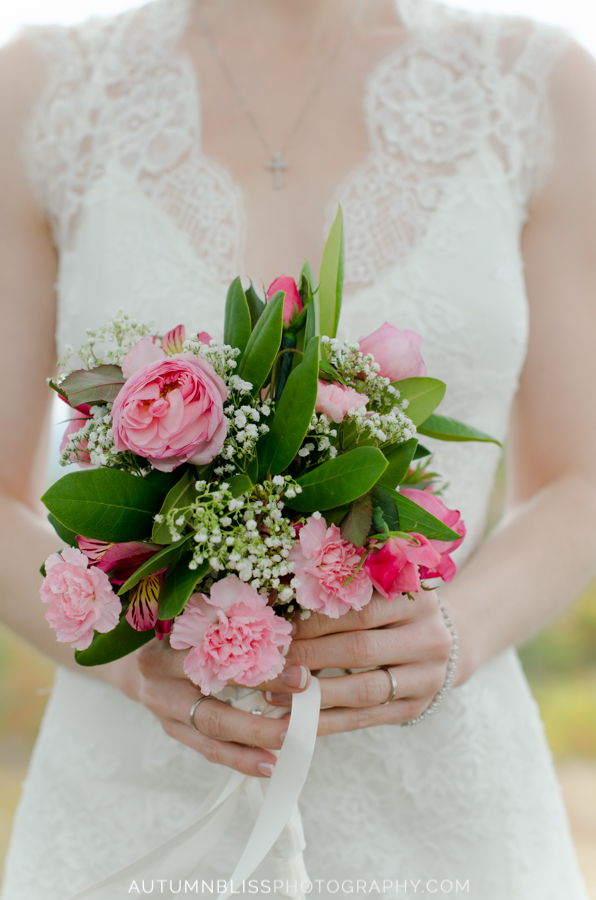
[[227, 488]]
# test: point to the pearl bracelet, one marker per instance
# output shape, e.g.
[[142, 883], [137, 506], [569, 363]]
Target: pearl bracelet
[[451, 666]]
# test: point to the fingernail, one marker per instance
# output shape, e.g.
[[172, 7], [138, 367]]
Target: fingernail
[[285, 650], [295, 676], [278, 698], [282, 736], [294, 629], [266, 769]]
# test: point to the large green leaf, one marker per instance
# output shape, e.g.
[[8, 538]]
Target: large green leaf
[[331, 279], [414, 518], [161, 560], [68, 536], [115, 644], [445, 429], [106, 504], [399, 458], [423, 394], [178, 585], [237, 321], [256, 306], [339, 480], [99, 385], [292, 416], [263, 344], [180, 495], [355, 527]]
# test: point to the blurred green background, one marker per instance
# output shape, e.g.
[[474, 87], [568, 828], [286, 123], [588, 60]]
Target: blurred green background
[[560, 664]]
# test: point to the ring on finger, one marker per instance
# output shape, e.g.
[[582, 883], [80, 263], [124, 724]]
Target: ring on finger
[[193, 710], [393, 685]]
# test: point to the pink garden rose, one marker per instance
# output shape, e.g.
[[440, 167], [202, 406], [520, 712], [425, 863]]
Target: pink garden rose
[[445, 568], [322, 561], [394, 569], [335, 400], [233, 635], [170, 410], [396, 351], [80, 598], [73, 426], [292, 301]]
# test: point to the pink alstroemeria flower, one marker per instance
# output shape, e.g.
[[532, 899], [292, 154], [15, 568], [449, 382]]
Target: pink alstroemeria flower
[[445, 568], [292, 301], [394, 569]]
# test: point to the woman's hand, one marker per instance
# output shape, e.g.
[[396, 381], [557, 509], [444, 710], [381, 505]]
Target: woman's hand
[[408, 636], [225, 735]]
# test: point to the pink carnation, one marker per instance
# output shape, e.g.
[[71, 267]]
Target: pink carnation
[[292, 301], [445, 568], [335, 400], [170, 411], [394, 569], [80, 598], [233, 635], [396, 351], [322, 562]]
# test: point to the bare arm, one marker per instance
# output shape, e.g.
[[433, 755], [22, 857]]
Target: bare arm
[[28, 267]]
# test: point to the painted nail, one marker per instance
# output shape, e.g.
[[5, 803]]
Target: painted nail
[[278, 698], [266, 769], [282, 736], [294, 629], [285, 650], [295, 676]]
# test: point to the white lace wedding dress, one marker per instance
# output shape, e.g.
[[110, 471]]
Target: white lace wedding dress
[[459, 131]]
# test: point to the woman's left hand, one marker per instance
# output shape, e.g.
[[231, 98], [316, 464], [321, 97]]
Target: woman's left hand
[[407, 636]]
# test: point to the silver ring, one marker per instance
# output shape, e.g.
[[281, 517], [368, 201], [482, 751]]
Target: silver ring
[[393, 685], [193, 710]]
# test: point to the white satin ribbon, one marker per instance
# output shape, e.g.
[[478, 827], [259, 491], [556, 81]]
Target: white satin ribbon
[[180, 857]]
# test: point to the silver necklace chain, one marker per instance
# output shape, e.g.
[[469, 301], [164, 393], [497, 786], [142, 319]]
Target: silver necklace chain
[[276, 162]]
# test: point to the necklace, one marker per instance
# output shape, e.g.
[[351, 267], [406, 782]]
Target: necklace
[[276, 164]]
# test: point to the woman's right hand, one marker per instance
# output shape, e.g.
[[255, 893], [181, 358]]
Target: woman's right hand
[[225, 735]]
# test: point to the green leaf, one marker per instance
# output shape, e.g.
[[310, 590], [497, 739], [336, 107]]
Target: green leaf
[[256, 307], [331, 279], [68, 536], [252, 469], [180, 495], [240, 484], [399, 457], [99, 385], [178, 585], [311, 324], [308, 273], [237, 321], [293, 415], [337, 515], [385, 515], [161, 560], [339, 480], [105, 504], [414, 518], [263, 344], [115, 644], [421, 452], [445, 429], [357, 524], [424, 395]]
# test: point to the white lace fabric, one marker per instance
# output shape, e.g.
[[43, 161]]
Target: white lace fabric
[[459, 140]]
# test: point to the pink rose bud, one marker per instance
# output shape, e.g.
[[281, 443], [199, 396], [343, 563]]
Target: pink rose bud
[[292, 301], [170, 411], [232, 635], [322, 562], [445, 567], [396, 351], [335, 400], [80, 598], [394, 568]]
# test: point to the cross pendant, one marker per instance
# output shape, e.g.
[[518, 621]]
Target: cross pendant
[[277, 166]]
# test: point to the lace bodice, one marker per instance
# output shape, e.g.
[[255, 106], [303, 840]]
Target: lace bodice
[[459, 140]]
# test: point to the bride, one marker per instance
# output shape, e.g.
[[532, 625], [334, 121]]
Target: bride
[[142, 158]]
